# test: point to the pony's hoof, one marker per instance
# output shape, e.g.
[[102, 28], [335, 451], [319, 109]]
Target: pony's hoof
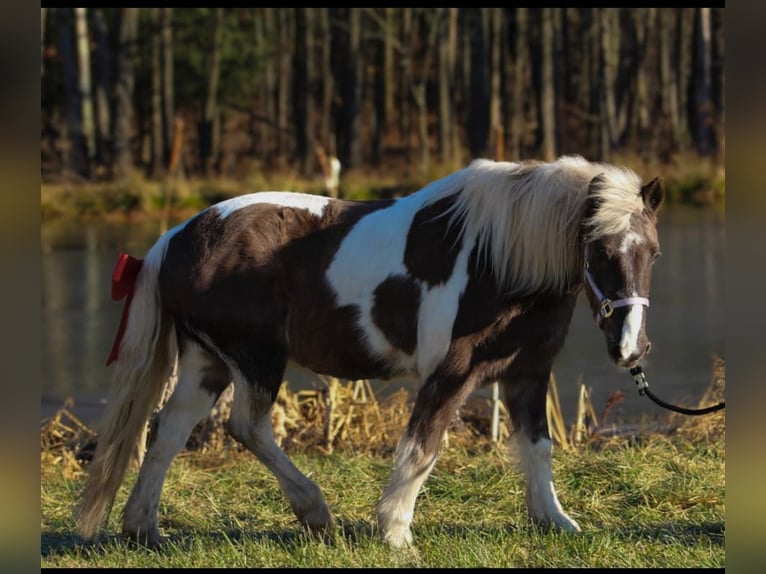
[[319, 522], [398, 538], [561, 523], [150, 539]]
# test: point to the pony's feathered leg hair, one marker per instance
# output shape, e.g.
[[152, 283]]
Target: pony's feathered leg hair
[[143, 365]]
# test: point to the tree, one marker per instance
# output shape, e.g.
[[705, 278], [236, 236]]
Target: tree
[[478, 115], [157, 160], [208, 137], [547, 104], [166, 23], [102, 88], [124, 92], [84, 84]]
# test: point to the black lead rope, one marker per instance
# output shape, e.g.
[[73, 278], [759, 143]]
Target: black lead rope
[[643, 389]]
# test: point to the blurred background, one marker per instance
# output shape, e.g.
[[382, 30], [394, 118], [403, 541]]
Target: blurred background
[[148, 115]]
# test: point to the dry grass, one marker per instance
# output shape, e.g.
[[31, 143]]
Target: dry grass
[[347, 416]]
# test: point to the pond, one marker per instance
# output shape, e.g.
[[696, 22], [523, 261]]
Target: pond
[[685, 321]]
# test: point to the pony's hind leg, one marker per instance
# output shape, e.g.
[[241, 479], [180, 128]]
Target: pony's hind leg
[[255, 389], [525, 399], [201, 379]]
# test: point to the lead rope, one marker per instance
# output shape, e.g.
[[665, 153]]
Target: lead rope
[[643, 389]]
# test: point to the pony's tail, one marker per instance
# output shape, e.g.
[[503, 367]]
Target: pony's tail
[[141, 369]]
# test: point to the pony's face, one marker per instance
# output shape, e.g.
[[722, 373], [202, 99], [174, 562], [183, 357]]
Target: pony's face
[[618, 270]]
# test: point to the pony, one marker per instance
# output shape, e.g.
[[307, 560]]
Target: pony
[[472, 279]]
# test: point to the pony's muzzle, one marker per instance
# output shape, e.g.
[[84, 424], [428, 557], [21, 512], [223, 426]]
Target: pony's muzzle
[[629, 357]]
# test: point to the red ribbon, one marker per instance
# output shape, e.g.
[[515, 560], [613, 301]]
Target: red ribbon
[[123, 283]]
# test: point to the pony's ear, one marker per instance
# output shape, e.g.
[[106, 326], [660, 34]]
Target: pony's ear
[[592, 203], [653, 193]]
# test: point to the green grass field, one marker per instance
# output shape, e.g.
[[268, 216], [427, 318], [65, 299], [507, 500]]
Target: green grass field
[[657, 501]]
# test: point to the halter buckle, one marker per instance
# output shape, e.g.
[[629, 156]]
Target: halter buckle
[[606, 308]]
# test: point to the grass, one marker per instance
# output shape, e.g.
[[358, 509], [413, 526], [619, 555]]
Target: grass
[[648, 500], [659, 503]]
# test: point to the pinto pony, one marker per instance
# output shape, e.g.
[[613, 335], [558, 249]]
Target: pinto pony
[[472, 279]]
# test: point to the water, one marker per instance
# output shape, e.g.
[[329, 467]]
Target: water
[[685, 321]]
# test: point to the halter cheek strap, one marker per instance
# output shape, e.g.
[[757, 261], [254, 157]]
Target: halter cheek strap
[[606, 305]]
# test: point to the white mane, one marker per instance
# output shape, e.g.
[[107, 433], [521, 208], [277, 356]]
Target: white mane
[[527, 217]]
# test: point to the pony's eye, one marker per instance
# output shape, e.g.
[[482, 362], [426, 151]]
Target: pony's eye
[[656, 255]]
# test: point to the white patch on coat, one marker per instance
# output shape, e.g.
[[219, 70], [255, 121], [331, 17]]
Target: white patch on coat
[[374, 250], [631, 328], [313, 203], [438, 310], [543, 505]]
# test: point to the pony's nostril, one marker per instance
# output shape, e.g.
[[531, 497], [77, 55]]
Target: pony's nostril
[[648, 348]]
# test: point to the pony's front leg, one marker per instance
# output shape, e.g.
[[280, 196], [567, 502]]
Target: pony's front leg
[[415, 457], [526, 404]]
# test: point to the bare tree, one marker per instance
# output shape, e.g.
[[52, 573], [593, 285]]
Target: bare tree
[[42, 40], [478, 115], [301, 89], [102, 87], [84, 84], [446, 87], [284, 22], [668, 75], [547, 95], [208, 143], [703, 102], [74, 150], [156, 94], [495, 110], [168, 101], [124, 92], [328, 82], [419, 87], [518, 123]]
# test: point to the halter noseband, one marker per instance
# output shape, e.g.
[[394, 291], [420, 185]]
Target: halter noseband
[[606, 305]]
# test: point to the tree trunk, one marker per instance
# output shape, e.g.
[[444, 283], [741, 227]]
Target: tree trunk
[[208, 147], [547, 104], [518, 123], [702, 92], [302, 90], [406, 81], [431, 30], [685, 48], [446, 91], [123, 115], [478, 123], [74, 152], [102, 87], [86, 100], [378, 89], [388, 68], [156, 98], [283, 81], [42, 41], [325, 137], [495, 112], [168, 101], [456, 151], [669, 77], [349, 68], [268, 86]]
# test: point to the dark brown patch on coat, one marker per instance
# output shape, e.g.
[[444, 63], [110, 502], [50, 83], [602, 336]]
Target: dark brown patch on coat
[[395, 311], [495, 337], [433, 244], [253, 283]]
